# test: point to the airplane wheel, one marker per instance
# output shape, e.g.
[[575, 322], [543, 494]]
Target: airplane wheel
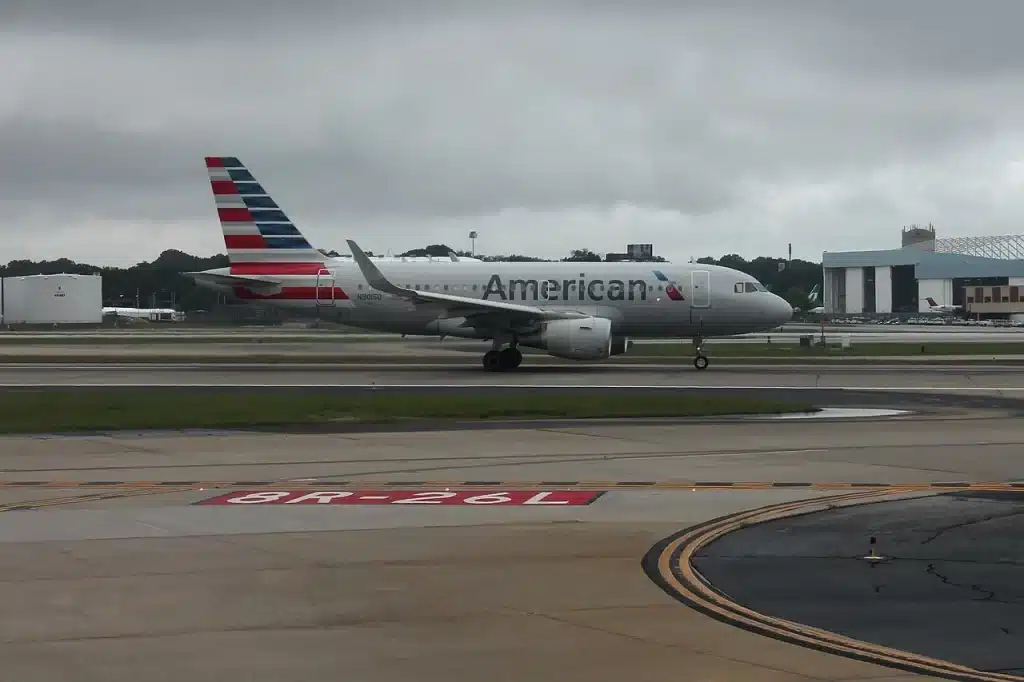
[[700, 362], [510, 358], [492, 361]]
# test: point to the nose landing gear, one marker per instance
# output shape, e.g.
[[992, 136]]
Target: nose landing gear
[[700, 361]]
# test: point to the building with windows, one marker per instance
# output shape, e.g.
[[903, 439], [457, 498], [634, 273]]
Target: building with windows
[[634, 252], [903, 280]]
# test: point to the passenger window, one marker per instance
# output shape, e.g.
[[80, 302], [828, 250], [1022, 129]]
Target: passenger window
[[446, 287], [738, 287]]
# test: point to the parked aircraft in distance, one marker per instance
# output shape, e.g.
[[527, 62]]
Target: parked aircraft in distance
[[571, 310], [812, 298], [940, 308], [148, 314]]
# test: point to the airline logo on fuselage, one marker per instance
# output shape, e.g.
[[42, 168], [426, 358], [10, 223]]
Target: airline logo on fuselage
[[581, 289]]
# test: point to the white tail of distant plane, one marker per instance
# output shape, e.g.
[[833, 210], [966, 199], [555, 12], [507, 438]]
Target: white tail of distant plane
[[812, 298]]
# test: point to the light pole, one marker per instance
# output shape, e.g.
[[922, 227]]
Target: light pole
[[472, 236]]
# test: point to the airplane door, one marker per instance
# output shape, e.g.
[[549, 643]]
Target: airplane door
[[324, 295], [700, 289]]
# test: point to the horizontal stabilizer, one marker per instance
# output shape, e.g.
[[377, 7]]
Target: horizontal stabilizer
[[261, 285]]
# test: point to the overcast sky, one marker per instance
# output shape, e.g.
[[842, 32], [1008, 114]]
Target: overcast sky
[[704, 127]]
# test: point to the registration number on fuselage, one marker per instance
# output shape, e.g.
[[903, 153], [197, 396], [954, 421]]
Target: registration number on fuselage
[[369, 297]]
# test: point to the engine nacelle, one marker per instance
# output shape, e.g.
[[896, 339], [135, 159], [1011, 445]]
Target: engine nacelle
[[588, 338]]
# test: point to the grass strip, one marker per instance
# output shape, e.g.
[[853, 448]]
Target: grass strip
[[127, 339], [34, 411]]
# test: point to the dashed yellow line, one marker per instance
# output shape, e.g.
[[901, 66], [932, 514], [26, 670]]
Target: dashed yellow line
[[991, 486], [78, 499]]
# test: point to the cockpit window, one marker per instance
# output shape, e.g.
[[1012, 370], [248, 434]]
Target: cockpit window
[[748, 287]]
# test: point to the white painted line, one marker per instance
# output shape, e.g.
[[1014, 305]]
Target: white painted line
[[834, 413], [963, 364], [666, 387], [726, 455]]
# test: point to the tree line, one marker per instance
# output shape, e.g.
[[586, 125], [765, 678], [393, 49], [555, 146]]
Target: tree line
[[160, 283]]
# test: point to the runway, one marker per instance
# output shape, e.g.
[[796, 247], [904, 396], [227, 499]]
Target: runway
[[990, 380], [335, 552]]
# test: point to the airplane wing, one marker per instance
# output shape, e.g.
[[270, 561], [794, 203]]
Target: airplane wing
[[465, 305]]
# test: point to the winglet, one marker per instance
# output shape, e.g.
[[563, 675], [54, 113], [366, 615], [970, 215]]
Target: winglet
[[373, 275]]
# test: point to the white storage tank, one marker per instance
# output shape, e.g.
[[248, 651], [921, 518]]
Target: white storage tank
[[53, 299]]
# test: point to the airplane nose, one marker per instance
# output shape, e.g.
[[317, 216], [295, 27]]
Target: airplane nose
[[779, 311]]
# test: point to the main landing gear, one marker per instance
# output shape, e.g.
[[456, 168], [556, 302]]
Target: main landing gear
[[700, 361], [496, 360]]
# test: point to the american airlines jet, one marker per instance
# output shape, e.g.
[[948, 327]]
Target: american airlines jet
[[579, 311]]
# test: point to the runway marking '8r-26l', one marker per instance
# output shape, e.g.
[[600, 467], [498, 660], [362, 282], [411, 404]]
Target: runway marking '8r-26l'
[[506, 498]]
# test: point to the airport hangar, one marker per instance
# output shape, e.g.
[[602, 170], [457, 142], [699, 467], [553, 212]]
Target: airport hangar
[[985, 275]]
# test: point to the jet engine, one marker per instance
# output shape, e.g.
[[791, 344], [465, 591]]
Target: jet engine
[[588, 338]]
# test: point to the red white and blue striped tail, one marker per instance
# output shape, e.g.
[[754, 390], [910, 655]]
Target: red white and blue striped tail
[[260, 238]]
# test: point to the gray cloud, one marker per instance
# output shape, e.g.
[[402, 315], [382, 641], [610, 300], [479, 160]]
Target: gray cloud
[[713, 126]]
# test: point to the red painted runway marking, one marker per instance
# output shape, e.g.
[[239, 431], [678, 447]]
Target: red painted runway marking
[[538, 498]]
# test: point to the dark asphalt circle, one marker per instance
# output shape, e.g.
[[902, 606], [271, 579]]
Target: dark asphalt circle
[[950, 585]]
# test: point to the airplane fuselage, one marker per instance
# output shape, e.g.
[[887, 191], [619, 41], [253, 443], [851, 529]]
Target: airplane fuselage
[[640, 299]]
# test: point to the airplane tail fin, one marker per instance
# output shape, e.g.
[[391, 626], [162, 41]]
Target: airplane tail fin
[[931, 301], [259, 237], [813, 296]]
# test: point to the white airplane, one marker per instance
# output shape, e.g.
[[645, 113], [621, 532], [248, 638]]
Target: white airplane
[[579, 311], [150, 314], [940, 308]]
